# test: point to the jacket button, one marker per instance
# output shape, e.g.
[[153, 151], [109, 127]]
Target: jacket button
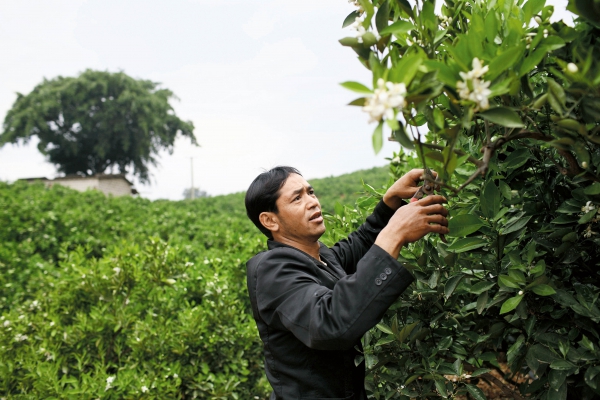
[[383, 276], [378, 281], [388, 271]]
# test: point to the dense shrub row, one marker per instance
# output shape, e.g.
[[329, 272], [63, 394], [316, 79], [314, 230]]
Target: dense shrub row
[[115, 298]]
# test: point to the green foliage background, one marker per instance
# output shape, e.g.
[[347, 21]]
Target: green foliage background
[[150, 293]]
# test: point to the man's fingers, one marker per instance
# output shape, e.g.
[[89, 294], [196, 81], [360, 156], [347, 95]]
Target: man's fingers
[[438, 219], [435, 209], [441, 229]]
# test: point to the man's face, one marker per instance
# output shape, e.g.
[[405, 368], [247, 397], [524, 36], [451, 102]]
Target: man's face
[[299, 211]]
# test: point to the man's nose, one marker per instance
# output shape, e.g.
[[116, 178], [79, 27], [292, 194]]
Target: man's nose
[[312, 202]]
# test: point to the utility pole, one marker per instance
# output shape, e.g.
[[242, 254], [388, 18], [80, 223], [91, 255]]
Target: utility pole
[[192, 173]]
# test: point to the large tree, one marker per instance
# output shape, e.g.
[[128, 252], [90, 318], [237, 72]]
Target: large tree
[[96, 121]]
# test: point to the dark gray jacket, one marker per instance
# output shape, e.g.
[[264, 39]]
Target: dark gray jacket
[[311, 315]]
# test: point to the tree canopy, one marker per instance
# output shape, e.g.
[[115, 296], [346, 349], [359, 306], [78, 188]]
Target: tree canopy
[[95, 121], [504, 104]]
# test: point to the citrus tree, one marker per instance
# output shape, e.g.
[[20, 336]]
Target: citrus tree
[[504, 104]]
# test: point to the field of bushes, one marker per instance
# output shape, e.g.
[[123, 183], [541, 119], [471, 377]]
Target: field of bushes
[[114, 298]]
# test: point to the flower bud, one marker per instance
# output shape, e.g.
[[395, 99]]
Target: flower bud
[[520, 293], [584, 165], [538, 19], [572, 68]]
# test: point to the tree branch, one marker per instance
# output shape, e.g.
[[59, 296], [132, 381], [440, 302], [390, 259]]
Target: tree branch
[[508, 392]]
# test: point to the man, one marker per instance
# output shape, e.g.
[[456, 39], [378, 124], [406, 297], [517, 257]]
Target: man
[[311, 303]]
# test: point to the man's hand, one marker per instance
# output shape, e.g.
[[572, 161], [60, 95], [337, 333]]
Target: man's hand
[[413, 221], [404, 188]]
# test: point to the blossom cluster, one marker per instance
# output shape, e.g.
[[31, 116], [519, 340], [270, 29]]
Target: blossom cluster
[[473, 88], [387, 97]]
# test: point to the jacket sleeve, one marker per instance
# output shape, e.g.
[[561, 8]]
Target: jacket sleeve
[[290, 298], [350, 250]]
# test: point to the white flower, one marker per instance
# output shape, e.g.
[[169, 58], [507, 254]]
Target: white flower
[[117, 270], [520, 293], [472, 88], [572, 68], [175, 376], [385, 99], [51, 323], [127, 301], [588, 207], [20, 338], [480, 94], [589, 232], [109, 382], [6, 323], [144, 389]]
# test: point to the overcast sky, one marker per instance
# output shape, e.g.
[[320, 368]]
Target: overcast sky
[[259, 79]]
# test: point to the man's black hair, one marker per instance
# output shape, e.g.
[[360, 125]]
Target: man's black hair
[[263, 193]]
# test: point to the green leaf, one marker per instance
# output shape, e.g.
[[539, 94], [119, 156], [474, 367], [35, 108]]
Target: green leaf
[[593, 189], [503, 116], [356, 87], [444, 72], [532, 61], [562, 365], [587, 217], [482, 301], [440, 385], [350, 18], [401, 137], [508, 281], [405, 332], [397, 28], [466, 244], [480, 371], [451, 284], [350, 42], [542, 354], [406, 7], [510, 304], [504, 61], [591, 377], [543, 290], [382, 17], [384, 328], [463, 225], [378, 138], [516, 159], [475, 392], [515, 226], [481, 287], [360, 102], [490, 200], [406, 69]]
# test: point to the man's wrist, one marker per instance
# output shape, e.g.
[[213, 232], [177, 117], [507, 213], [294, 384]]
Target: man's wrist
[[392, 202]]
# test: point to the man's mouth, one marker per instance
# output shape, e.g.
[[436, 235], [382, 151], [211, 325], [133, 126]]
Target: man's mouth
[[316, 217]]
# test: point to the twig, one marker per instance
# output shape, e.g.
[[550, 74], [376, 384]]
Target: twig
[[505, 389]]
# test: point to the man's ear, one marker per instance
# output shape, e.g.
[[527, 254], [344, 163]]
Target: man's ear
[[269, 221]]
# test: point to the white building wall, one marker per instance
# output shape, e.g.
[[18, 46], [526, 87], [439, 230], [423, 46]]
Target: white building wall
[[78, 184], [116, 187]]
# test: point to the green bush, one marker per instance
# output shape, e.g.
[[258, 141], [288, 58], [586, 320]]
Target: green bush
[[506, 110], [104, 297]]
